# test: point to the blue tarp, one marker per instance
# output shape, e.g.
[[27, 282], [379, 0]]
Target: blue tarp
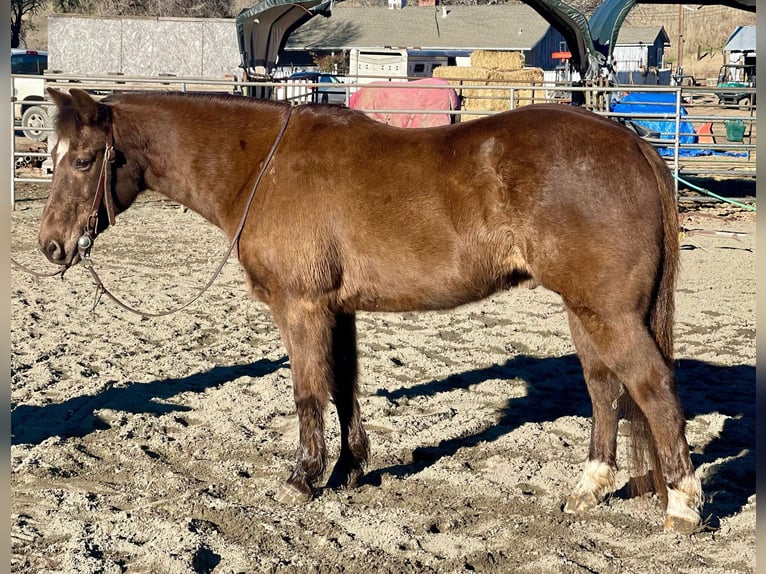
[[656, 103], [663, 103]]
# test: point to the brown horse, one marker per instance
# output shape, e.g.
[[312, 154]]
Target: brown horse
[[353, 215]]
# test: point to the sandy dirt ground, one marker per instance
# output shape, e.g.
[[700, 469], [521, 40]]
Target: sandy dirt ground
[[157, 445]]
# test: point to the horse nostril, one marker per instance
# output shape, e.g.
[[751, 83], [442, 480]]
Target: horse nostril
[[54, 251]]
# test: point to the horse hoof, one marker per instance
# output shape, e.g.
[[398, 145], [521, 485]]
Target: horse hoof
[[291, 494], [682, 513], [578, 503], [354, 477], [349, 479], [682, 525], [344, 476]]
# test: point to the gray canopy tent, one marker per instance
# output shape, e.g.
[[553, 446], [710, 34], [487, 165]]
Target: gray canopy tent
[[591, 41], [606, 21], [262, 30]]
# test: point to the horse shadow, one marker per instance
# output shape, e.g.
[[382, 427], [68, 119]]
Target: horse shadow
[[76, 417], [556, 388]]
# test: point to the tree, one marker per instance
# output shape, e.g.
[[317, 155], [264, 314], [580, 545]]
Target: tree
[[21, 10], [200, 9], [331, 63]]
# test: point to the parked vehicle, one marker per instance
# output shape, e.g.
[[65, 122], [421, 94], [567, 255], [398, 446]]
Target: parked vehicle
[[28, 90], [733, 77], [369, 65], [299, 89]]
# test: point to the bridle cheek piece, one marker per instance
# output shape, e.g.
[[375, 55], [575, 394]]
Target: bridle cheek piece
[[103, 193]]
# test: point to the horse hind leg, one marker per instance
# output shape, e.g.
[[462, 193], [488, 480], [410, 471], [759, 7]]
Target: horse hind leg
[[354, 448], [628, 349], [604, 388]]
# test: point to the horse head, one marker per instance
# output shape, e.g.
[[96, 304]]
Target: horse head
[[92, 179]]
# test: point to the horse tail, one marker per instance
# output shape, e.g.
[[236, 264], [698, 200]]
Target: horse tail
[[643, 451], [663, 306]]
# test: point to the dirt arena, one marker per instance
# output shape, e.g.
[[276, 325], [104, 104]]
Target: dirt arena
[[157, 445]]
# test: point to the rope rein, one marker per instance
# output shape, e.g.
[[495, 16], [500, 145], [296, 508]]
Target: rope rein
[[38, 273]]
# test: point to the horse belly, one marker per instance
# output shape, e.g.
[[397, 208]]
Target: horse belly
[[444, 280]]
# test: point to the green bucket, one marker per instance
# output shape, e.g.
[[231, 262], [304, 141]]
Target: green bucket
[[735, 130]]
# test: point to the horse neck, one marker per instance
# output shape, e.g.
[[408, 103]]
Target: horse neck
[[202, 153]]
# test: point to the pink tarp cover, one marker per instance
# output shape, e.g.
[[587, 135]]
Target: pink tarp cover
[[395, 97]]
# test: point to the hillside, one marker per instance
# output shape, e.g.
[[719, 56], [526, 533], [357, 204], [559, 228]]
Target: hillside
[[705, 30]]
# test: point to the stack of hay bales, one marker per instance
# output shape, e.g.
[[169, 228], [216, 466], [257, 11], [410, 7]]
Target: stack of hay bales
[[493, 68]]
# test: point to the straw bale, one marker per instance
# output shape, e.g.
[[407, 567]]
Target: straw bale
[[527, 75], [479, 93], [500, 100], [459, 72], [471, 77], [458, 76], [488, 102], [497, 59], [496, 99]]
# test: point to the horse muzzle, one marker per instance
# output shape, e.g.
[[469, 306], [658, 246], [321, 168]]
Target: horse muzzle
[[57, 253]]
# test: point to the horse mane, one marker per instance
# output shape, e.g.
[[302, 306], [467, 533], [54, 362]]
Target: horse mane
[[209, 97], [69, 123]]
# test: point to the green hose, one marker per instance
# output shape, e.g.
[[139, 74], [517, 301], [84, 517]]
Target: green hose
[[711, 194]]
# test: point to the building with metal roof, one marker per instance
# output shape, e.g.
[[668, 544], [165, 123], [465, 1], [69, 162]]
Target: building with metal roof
[[640, 48], [741, 40], [513, 27]]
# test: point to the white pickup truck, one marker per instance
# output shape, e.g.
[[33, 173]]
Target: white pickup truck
[[29, 92]]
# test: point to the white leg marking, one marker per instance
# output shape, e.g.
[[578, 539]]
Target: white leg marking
[[685, 501], [597, 479], [596, 482]]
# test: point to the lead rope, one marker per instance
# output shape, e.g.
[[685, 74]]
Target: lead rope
[[38, 273], [102, 290]]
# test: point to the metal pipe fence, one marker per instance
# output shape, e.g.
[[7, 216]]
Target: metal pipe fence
[[702, 143]]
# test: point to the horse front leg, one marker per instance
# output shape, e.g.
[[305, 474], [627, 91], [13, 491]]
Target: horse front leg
[[354, 447], [306, 329]]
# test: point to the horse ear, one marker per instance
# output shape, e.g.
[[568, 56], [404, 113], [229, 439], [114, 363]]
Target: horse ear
[[61, 99], [85, 105]]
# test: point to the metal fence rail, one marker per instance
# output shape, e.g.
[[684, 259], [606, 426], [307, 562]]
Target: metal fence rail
[[715, 151]]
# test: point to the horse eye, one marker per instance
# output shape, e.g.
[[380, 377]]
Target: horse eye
[[82, 164]]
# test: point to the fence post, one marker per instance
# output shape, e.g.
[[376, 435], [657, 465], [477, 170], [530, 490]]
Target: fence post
[[13, 148], [677, 144]]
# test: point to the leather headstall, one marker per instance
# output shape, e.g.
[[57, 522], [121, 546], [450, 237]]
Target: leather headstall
[[103, 193]]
